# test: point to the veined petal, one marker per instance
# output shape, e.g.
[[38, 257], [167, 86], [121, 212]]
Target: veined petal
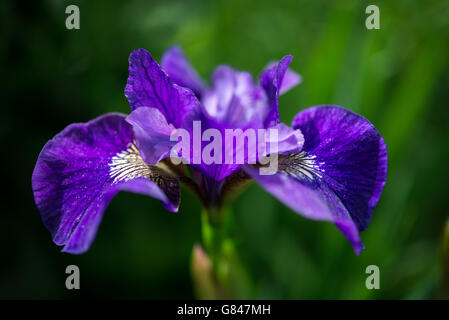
[[271, 81], [353, 152], [149, 86], [339, 174], [309, 196], [181, 71], [82, 168]]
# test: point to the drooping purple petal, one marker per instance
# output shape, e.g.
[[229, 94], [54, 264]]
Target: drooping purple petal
[[354, 155], [149, 86], [82, 168], [339, 174], [181, 71], [312, 199], [271, 81]]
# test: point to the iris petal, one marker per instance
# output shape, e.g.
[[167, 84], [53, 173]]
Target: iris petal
[[290, 80], [339, 174], [234, 100], [82, 168], [149, 86], [152, 134], [181, 71], [354, 154], [271, 81]]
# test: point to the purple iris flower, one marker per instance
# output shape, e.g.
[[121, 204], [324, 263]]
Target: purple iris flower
[[332, 162]]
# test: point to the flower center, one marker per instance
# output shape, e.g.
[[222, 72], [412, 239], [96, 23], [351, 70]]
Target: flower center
[[301, 165], [128, 165]]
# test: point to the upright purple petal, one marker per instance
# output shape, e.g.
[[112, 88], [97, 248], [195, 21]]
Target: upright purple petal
[[181, 71], [82, 168], [149, 86], [271, 81], [339, 174], [290, 80], [234, 100]]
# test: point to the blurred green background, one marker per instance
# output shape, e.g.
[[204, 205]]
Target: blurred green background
[[397, 77]]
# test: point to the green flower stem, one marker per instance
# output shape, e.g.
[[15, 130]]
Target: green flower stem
[[217, 272]]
